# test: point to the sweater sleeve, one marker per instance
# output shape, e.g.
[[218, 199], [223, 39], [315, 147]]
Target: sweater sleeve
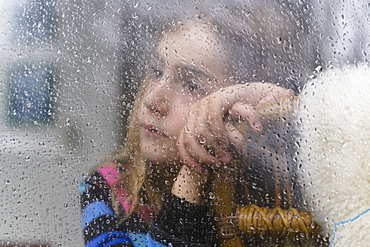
[[99, 222], [181, 223]]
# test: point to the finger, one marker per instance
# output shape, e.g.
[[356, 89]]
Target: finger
[[247, 113], [218, 142], [198, 151], [216, 112], [194, 154], [223, 156], [236, 138], [275, 96], [202, 129], [185, 157], [206, 139], [199, 135]]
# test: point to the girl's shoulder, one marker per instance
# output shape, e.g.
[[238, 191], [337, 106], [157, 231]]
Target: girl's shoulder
[[101, 177], [105, 181], [110, 174], [97, 185], [107, 174]]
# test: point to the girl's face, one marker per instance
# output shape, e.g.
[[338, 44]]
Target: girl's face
[[190, 65]]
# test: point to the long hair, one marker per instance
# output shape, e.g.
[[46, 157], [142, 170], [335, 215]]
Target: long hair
[[145, 182], [136, 174]]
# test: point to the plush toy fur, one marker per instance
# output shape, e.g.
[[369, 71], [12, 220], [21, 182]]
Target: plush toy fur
[[334, 153]]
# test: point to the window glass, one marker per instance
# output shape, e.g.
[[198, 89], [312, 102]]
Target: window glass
[[229, 123]]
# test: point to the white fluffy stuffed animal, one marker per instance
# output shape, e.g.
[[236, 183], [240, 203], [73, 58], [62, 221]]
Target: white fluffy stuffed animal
[[334, 153]]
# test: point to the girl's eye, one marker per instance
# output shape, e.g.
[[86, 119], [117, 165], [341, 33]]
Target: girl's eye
[[193, 87]]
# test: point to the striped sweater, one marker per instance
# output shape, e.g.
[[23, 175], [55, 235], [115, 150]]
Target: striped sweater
[[178, 224]]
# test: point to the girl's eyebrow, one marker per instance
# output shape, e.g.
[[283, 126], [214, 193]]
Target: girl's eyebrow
[[192, 69]]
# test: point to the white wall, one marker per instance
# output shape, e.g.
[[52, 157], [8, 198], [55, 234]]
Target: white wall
[[40, 167]]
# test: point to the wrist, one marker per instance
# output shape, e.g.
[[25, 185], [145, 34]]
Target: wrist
[[189, 185]]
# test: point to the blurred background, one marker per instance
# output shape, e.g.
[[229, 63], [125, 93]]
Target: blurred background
[[69, 72]]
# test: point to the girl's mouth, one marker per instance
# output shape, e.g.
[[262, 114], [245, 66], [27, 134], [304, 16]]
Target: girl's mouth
[[153, 131]]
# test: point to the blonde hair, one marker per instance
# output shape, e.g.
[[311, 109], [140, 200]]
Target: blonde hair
[[144, 183], [147, 185], [129, 160]]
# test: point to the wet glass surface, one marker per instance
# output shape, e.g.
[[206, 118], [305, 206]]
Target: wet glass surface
[[72, 70]]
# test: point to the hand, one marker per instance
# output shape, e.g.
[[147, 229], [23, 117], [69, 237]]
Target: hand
[[205, 138]]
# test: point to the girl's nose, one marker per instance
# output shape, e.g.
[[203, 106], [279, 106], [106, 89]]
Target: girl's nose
[[158, 99]]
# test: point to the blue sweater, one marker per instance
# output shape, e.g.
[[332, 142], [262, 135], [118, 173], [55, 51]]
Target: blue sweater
[[178, 224]]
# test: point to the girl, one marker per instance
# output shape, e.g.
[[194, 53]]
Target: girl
[[152, 191]]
